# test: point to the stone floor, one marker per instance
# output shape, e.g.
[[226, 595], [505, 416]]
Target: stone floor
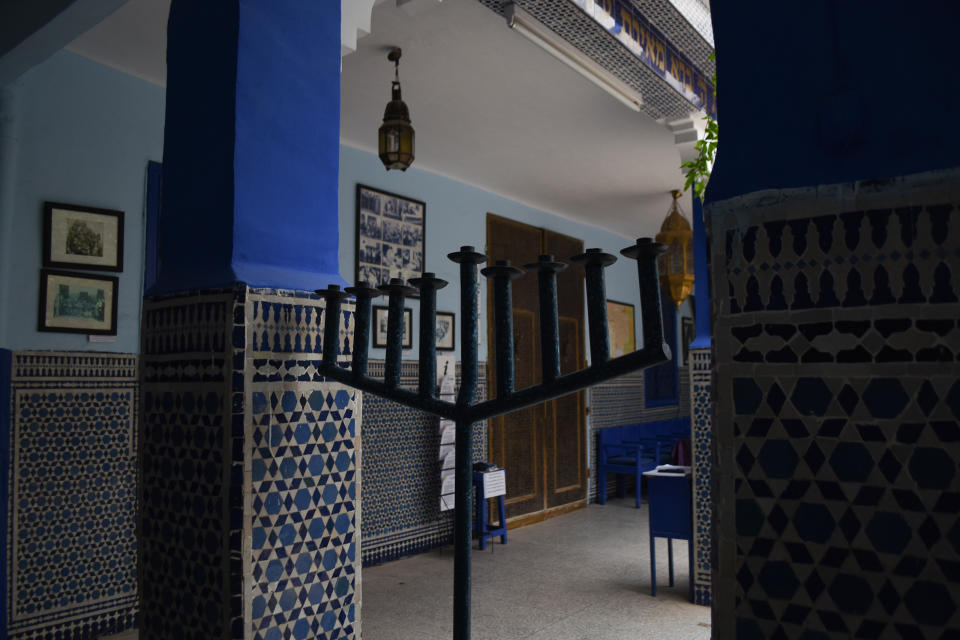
[[584, 575]]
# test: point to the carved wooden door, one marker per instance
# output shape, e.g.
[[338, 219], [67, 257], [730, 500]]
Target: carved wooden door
[[541, 447]]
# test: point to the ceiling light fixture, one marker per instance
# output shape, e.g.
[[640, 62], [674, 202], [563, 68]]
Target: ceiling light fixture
[[539, 34], [676, 265], [396, 133]]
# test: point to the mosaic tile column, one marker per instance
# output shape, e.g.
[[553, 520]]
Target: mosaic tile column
[[837, 410], [250, 471], [701, 440]]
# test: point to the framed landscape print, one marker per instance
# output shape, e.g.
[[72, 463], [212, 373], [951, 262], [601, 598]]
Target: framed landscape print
[[82, 237], [446, 331], [78, 303], [687, 332], [623, 337], [380, 319], [390, 236]]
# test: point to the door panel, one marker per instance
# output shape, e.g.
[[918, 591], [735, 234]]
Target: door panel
[[542, 447]]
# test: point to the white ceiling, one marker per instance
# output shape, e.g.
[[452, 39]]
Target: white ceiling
[[489, 107]]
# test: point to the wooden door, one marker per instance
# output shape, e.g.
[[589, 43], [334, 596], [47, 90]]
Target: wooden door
[[541, 447]]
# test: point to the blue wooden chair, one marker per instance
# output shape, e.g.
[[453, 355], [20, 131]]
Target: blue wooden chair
[[621, 451]]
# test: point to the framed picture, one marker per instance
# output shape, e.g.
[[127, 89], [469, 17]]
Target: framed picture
[[78, 303], [446, 331], [620, 319], [380, 315], [82, 237], [688, 332], [390, 236]]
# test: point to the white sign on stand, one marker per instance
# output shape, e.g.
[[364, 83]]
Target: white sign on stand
[[448, 435]]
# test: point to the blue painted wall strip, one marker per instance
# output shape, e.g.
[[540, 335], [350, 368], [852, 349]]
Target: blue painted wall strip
[[6, 409], [151, 251], [701, 272]]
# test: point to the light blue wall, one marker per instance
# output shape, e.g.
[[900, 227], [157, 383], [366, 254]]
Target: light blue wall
[[456, 215], [85, 134]]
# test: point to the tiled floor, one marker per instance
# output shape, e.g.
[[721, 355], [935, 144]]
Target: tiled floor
[[584, 575]]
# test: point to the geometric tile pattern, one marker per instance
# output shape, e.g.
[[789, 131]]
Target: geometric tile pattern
[[701, 417], [250, 470], [838, 412], [301, 444], [71, 487], [184, 431], [622, 401], [401, 475], [305, 532]]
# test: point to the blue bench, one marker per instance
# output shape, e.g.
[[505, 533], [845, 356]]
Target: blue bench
[[634, 448]]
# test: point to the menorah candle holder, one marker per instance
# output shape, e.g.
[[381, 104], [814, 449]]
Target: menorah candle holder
[[466, 411]]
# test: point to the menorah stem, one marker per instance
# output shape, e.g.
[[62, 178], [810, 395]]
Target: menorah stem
[[462, 530], [594, 261], [361, 337], [549, 323], [428, 284], [331, 323], [502, 274], [645, 252], [468, 259], [395, 330]]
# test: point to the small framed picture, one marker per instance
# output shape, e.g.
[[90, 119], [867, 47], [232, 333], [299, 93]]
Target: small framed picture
[[623, 337], [380, 315], [446, 331], [82, 237], [78, 303]]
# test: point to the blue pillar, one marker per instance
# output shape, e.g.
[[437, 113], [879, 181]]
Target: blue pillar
[[251, 146], [249, 500]]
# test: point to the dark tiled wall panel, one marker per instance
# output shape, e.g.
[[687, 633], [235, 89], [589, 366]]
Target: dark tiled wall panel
[[71, 548], [837, 369]]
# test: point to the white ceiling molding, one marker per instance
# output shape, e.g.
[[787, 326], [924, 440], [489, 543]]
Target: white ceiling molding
[[354, 23], [686, 133]]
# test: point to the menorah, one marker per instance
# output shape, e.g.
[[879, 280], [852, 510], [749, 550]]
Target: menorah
[[466, 410]]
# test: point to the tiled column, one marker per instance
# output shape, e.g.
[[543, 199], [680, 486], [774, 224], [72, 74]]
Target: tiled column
[[837, 345], [701, 418], [250, 460]]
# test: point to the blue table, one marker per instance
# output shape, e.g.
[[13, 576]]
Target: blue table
[[671, 517]]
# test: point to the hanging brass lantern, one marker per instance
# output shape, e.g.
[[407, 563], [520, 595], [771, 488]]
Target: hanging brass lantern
[[676, 265], [396, 134]]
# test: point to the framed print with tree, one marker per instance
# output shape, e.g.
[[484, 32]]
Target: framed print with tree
[[687, 332], [390, 236], [380, 315], [78, 303], [446, 331], [620, 319], [82, 237]]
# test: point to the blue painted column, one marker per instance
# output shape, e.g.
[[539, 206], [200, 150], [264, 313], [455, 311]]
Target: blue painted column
[[251, 146], [834, 218], [701, 417], [249, 477]]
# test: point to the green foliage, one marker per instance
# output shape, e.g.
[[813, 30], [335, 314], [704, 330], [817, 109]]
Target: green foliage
[[698, 169]]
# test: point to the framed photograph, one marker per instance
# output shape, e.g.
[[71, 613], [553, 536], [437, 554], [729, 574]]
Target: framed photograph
[[380, 315], [78, 303], [390, 236], [620, 319], [688, 333], [446, 331], [82, 237]]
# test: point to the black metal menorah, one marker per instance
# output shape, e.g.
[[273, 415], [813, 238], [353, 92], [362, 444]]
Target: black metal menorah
[[465, 411]]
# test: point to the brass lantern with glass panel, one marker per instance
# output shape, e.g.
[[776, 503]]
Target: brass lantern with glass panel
[[396, 134], [676, 265]]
